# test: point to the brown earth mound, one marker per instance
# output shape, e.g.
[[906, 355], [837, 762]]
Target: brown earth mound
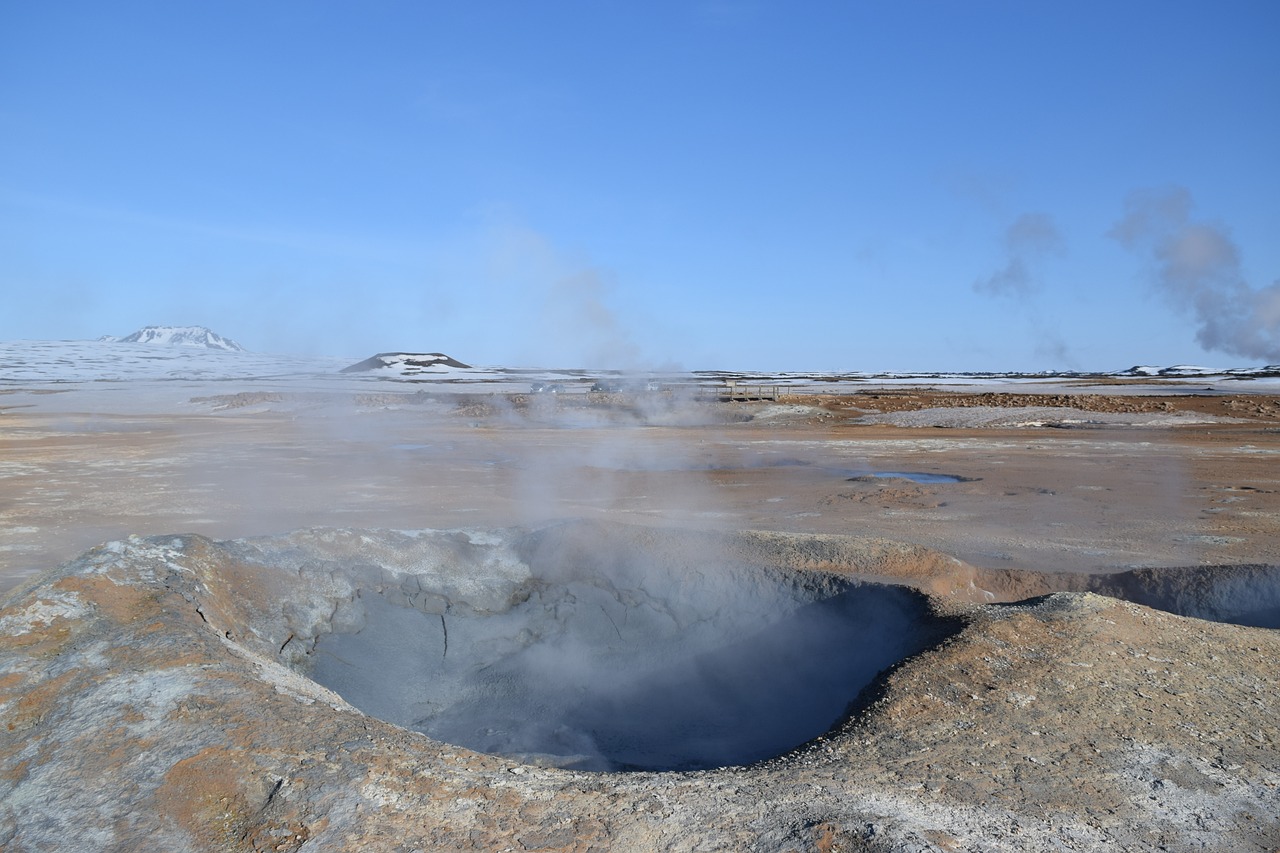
[[1254, 406], [155, 698]]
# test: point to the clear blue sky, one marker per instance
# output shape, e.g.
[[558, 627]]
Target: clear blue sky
[[757, 185]]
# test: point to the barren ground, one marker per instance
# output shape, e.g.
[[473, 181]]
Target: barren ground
[[1078, 494], [153, 691]]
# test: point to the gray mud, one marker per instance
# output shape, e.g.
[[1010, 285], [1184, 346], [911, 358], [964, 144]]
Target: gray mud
[[629, 667], [595, 647]]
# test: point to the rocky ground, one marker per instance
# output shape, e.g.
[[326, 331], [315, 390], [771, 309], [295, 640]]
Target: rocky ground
[[1264, 407], [155, 692], [155, 698]]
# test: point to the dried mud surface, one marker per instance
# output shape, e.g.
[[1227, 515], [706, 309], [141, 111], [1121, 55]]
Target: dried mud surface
[[1088, 498], [152, 695]]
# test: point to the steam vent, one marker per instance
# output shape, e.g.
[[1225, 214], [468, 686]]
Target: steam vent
[[589, 686]]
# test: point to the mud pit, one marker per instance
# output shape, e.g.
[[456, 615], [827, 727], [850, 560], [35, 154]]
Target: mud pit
[[615, 659], [1242, 595], [604, 658], [159, 692], [171, 672]]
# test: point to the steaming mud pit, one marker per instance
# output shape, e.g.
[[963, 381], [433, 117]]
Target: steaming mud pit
[[586, 652], [166, 692]]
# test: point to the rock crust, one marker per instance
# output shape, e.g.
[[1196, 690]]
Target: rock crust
[[153, 697]]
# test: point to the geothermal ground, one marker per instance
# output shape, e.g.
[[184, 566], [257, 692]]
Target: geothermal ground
[[1078, 481], [374, 618]]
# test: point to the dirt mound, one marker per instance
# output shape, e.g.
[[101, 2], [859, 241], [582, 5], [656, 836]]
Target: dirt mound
[[172, 668]]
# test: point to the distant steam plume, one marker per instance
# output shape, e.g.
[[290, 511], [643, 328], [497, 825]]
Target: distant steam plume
[[578, 309], [565, 313], [1030, 236], [1028, 239], [1198, 270]]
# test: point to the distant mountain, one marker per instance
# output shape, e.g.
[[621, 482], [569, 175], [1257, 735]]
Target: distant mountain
[[182, 336], [407, 362]]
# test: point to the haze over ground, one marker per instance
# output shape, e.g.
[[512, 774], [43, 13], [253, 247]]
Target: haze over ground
[[832, 186]]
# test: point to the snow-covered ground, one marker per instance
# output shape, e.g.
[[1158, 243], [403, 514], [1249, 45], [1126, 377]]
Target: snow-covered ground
[[62, 362], [171, 366]]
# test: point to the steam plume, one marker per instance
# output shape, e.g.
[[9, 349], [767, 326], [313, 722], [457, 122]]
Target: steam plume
[[578, 308], [568, 300], [1198, 270], [1027, 239], [1030, 236]]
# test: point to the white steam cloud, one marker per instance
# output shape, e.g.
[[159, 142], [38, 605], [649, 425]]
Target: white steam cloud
[[1198, 270]]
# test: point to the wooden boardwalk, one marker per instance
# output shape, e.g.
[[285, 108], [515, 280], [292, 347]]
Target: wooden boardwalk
[[733, 391]]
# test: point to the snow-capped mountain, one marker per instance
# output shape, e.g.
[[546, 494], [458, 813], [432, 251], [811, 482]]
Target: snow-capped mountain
[[183, 336], [408, 363]]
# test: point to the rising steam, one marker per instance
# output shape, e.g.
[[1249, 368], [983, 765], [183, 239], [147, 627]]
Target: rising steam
[[1030, 236], [1198, 270], [1027, 240], [578, 309]]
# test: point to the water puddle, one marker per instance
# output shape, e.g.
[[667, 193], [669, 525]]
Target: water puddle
[[913, 476]]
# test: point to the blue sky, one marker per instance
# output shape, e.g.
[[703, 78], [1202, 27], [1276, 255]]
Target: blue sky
[[778, 186]]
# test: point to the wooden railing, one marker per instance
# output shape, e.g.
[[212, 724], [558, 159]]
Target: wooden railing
[[734, 391]]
